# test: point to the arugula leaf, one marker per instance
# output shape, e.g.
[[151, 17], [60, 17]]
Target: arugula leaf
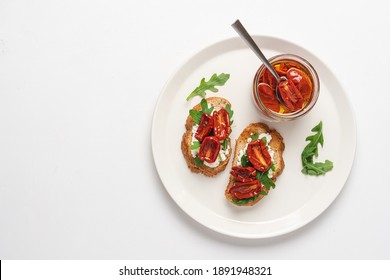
[[317, 168], [255, 136], [198, 161], [245, 200], [196, 115], [245, 161], [265, 180], [195, 145], [215, 80], [230, 113], [205, 107], [311, 150], [225, 143]]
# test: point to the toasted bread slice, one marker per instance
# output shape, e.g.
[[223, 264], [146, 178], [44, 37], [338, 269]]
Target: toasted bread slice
[[217, 103], [276, 144]]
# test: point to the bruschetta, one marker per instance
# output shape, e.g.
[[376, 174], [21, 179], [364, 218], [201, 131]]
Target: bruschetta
[[257, 162], [206, 143]]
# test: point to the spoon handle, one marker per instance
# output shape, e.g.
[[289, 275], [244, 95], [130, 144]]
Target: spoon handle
[[240, 29]]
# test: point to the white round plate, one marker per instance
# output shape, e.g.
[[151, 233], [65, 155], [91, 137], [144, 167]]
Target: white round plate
[[297, 198]]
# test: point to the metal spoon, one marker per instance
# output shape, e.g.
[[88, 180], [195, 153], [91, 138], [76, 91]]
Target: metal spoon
[[240, 29]]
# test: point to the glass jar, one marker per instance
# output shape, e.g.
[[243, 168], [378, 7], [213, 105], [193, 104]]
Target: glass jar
[[306, 81]]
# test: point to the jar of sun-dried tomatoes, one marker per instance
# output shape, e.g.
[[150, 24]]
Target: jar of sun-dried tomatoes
[[298, 89]]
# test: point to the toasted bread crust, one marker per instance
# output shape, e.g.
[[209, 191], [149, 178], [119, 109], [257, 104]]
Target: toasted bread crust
[[216, 102], [276, 144]]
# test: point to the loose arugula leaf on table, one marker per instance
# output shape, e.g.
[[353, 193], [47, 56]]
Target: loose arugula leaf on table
[[215, 80], [317, 168], [311, 150]]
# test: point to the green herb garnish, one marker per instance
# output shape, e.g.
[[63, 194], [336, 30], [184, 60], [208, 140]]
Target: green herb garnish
[[197, 115], [205, 107], [265, 180], [255, 136], [245, 161], [230, 112], [195, 145], [245, 200], [215, 80], [198, 161], [225, 143], [311, 150]]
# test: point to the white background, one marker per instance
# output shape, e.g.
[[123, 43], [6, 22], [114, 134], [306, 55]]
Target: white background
[[79, 81]]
